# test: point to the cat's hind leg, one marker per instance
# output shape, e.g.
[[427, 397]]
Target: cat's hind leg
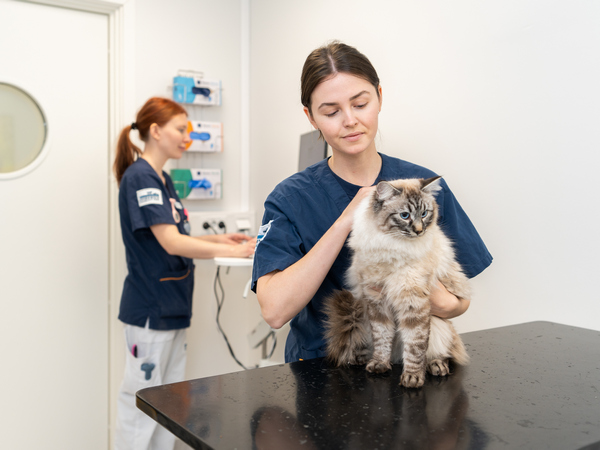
[[444, 344], [438, 367]]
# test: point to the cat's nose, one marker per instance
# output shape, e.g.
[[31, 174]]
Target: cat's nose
[[418, 228]]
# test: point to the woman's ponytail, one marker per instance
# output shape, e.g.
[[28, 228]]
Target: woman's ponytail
[[156, 110], [127, 153]]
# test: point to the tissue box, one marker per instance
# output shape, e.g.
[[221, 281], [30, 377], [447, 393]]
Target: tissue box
[[197, 184], [206, 136], [196, 90]]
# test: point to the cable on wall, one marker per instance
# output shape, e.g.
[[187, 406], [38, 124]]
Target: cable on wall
[[220, 299]]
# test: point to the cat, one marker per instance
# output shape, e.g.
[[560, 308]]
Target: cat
[[398, 254]]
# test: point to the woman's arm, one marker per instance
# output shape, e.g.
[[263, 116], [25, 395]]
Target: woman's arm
[[283, 294], [228, 238], [447, 305], [175, 243]]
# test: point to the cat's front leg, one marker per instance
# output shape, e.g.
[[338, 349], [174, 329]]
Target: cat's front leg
[[383, 328], [414, 329]]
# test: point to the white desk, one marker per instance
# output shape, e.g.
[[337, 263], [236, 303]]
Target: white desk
[[234, 262]]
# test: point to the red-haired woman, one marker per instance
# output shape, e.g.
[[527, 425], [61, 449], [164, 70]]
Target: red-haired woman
[[156, 304]]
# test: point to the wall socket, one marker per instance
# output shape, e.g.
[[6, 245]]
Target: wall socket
[[230, 221]]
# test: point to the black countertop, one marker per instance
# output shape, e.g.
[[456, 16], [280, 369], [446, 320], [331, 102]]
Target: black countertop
[[529, 386]]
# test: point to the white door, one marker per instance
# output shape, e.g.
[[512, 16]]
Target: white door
[[54, 236]]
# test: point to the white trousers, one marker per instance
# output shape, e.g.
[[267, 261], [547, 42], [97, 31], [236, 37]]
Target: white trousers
[[161, 357]]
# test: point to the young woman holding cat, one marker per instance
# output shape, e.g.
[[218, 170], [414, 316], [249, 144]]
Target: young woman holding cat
[[156, 304], [301, 256]]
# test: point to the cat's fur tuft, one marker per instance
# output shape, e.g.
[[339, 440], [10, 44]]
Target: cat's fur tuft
[[348, 330], [399, 254]]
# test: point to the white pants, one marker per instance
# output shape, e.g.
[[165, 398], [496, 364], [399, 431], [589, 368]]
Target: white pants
[[161, 357]]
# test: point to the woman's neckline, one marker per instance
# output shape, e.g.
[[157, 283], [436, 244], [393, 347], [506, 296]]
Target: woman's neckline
[[354, 176]]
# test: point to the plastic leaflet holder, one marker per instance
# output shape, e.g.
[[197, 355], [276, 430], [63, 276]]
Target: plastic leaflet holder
[[193, 89], [197, 184], [206, 136]]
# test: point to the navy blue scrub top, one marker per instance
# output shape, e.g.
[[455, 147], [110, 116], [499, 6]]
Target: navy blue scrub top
[[303, 207], [158, 286]]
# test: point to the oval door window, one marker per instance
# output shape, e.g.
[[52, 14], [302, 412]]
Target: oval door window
[[23, 132]]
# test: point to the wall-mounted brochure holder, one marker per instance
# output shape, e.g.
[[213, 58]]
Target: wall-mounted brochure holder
[[197, 184], [192, 88], [205, 136]]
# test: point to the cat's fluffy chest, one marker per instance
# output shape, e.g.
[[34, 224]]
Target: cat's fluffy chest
[[386, 248], [380, 259], [385, 259]]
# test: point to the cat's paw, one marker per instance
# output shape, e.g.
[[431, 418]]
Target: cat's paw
[[375, 366], [439, 367], [362, 356], [412, 379]]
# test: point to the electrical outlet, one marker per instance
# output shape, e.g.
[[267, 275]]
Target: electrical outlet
[[242, 222], [213, 226], [243, 225], [208, 222]]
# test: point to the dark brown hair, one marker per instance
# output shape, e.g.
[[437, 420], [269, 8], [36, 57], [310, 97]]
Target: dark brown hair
[[330, 60], [156, 110]]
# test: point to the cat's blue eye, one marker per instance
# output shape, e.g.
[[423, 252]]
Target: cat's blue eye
[[404, 215], [424, 214]]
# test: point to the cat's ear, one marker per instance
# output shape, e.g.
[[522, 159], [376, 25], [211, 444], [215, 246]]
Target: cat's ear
[[385, 190], [431, 184]]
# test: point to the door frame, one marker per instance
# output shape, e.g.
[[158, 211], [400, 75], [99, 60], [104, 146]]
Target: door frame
[[121, 105]]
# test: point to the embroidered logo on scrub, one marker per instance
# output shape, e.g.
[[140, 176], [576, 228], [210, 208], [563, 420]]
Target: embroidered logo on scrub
[[176, 215], [149, 196], [262, 232]]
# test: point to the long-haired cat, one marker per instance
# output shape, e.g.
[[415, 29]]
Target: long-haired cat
[[398, 255]]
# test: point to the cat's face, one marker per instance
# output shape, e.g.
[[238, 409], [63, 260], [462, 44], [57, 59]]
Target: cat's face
[[405, 208]]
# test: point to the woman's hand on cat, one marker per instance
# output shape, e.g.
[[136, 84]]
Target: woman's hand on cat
[[347, 217], [283, 294], [446, 305]]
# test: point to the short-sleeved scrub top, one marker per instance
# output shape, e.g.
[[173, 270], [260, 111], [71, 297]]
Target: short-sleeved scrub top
[[159, 286], [304, 206]]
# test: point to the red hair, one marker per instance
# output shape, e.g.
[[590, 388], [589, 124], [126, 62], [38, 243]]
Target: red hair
[[156, 110]]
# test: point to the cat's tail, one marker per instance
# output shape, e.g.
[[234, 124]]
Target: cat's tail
[[445, 342], [347, 329], [459, 352]]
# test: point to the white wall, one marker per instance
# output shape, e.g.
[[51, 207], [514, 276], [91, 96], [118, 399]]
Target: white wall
[[202, 36], [500, 97]]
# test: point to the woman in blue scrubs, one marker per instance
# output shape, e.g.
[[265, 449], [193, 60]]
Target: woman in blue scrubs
[[301, 254], [156, 304]]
